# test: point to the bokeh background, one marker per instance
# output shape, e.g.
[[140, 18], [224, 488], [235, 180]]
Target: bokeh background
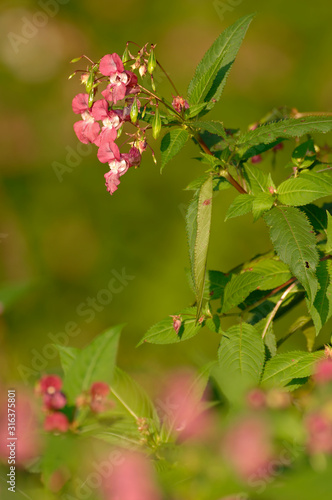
[[61, 242]]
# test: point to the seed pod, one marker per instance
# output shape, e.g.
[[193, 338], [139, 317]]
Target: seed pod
[[134, 111], [152, 63], [125, 55], [76, 59], [90, 81], [91, 98], [156, 124]]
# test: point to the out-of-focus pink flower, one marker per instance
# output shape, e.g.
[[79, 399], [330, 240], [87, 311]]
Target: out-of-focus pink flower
[[247, 446], [56, 422], [49, 384], [179, 103], [256, 159], [111, 64], [182, 410], [87, 129], [323, 371], [319, 429], [99, 392], [54, 401], [256, 399], [27, 444], [132, 479]]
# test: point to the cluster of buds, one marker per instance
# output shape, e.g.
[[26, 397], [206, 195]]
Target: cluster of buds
[[54, 402], [123, 100]]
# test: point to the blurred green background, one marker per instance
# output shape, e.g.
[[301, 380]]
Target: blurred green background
[[65, 239]]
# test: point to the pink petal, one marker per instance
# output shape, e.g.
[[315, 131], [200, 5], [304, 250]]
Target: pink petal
[[91, 131], [105, 152], [99, 109], [110, 64], [80, 103], [112, 181], [79, 128], [119, 92]]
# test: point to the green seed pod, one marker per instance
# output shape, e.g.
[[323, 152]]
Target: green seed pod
[[152, 84], [90, 81], [76, 59], [156, 124], [120, 131], [91, 98], [125, 55], [152, 63], [134, 111]]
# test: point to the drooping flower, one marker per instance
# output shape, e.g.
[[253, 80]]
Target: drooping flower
[[110, 119], [56, 422], [87, 129], [111, 64]]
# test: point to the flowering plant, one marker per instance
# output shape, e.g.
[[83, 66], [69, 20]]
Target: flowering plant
[[255, 422]]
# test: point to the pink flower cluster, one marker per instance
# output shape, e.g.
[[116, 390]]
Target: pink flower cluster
[[122, 84], [54, 401]]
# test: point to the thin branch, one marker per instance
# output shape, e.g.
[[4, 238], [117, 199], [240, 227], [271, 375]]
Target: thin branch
[[276, 307]]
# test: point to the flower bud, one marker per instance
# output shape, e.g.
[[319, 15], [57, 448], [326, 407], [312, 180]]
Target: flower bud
[[152, 84], [152, 63], [177, 322], [134, 111], [76, 59], [142, 70]]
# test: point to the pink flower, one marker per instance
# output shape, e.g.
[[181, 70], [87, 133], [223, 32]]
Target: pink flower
[[179, 103], [54, 401], [323, 371], [182, 411], [49, 384], [132, 479], [56, 421], [99, 392], [110, 119], [111, 64], [87, 129], [115, 92], [177, 322], [133, 158], [319, 430], [108, 152], [112, 181], [247, 447], [256, 399]]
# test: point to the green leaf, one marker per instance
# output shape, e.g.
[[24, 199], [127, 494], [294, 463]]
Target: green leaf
[[241, 205], [329, 232], [282, 368], [256, 179], [67, 356], [304, 155], [172, 143], [215, 282], [305, 188], [317, 217], [164, 333], [95, 363], [204, 213], [239, 287], [261, 203], [132, 397], [211, 73], [321, 309], [275, 272], [292, 127], [194, 110], [258, 150], [295, 243], [213, 127], [191, 227], [241, 358]]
